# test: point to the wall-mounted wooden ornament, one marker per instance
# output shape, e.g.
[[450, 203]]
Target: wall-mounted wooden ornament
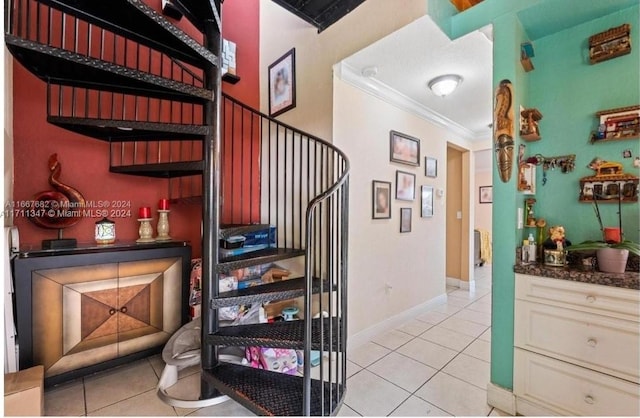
[[503, 121], [609, 44]]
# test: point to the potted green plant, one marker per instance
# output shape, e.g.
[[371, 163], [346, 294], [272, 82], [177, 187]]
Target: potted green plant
[[613, 251]]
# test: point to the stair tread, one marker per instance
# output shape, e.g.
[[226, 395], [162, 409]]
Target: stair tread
[[280, 290], [123, 130], [69, 68], [161, 170], [270, 393], [139, 22], [198, 11], [253, 258], [283, 334]]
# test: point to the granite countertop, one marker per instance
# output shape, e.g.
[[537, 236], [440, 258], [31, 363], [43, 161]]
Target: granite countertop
[[629, 279]]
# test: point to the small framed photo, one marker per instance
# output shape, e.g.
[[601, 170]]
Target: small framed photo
[[282, 84], [404, 149], [486, 194], [430, 167], [405, 219], [381, 201], [405, 185], [426, 202]]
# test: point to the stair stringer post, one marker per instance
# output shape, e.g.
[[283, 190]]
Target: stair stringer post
[[211, 202]]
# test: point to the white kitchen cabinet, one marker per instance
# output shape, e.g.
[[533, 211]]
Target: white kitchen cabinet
[[577, 348]]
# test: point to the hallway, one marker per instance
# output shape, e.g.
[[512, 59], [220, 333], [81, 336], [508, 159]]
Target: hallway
[[437, 364]]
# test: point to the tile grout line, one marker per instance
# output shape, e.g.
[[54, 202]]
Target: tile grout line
[[437, 371]]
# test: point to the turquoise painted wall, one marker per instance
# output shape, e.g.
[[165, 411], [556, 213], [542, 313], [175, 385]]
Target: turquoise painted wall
[[508, 34], [568, 91]]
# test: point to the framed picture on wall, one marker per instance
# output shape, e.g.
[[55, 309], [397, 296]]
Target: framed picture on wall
[[426, 201], [430, 167], [282, 84], [405, 219], [405, 185], [486, 194], [404, 149], [381, 200]]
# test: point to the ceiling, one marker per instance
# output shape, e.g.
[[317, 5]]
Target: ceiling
[[320, 13], [407, 59]]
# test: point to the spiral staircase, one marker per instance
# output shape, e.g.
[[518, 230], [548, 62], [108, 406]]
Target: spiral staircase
[[118, 71]]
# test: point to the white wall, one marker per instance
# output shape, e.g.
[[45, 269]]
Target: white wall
[[482, 177], [413, 264], [316, 53]]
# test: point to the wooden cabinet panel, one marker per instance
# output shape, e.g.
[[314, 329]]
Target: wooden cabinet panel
[[598, 299], [577, 348], [572, 390], [78, 313], [598, 342]]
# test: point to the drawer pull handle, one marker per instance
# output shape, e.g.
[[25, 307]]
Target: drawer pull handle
[[591, 298], [592, 342], [589, 399], [112, 311], [123, 309]]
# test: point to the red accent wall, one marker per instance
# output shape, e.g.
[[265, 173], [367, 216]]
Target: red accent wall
[[85, 161]]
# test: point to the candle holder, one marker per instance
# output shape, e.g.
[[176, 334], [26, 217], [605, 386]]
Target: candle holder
[[163, 225], [145, 230]]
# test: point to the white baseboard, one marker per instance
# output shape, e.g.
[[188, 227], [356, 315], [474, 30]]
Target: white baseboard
[[462, 284], [501, 398], [532, 409], [366, 335]]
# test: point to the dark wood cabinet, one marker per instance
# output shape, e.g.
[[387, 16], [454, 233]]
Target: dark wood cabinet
[[84, 309]]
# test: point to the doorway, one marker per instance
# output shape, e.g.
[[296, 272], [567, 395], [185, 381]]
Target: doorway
[[458, 208]]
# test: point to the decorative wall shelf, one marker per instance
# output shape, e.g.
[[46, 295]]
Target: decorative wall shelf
[[617, 124], [529, 130], [610, 44], [607, 188]]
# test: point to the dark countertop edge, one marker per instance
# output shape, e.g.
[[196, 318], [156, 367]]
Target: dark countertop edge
[[32, 251], [627, 280]]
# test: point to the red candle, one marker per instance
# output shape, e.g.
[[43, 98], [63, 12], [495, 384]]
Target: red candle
[[144, 212], [163, 204]]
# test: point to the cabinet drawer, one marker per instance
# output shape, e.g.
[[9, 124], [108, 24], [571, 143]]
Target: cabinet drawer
[[599, 342], [572, 390], [605, 300]]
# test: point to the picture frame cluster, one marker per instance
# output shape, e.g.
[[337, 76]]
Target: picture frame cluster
[[404, 149]]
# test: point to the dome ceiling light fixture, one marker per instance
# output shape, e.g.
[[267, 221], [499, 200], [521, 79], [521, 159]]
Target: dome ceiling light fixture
[[445, 84]]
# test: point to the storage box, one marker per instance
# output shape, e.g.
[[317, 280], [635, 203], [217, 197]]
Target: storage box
[[266, 236], [24, 392]]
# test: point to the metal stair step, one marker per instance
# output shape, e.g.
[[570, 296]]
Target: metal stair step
[[198, 11], [270, 292], [135, 20], [275, 394], [67, 68], [253, 258], [161, 170], [123, 130], [283, 334]]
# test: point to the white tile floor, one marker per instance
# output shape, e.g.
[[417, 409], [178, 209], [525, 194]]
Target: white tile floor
[[436, 364]]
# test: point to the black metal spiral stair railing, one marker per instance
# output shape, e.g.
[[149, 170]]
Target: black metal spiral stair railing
[[117, 71]]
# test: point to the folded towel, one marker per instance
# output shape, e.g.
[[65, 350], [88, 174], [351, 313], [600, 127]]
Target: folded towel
[[485, 245]]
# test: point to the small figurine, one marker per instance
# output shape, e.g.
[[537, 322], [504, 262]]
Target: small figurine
[[557, 239], [531, 220], [605, 168]]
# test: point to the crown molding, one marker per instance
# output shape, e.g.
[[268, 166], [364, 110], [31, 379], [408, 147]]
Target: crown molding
[[382, 91]]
